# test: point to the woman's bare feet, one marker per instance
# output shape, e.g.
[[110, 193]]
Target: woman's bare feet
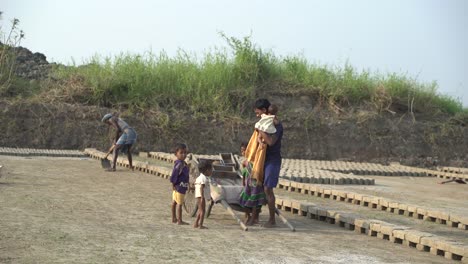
[[203, 227], [182, 223]]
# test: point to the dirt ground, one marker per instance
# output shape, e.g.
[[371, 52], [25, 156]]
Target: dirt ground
[[64, 210]]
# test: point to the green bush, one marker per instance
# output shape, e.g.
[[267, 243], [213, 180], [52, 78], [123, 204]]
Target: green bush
[[226, 80]]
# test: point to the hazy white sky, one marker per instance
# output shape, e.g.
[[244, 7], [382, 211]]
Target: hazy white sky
[[426, 39]]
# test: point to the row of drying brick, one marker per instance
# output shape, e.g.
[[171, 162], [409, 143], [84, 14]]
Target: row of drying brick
[[302, 171], [345, 166], [168, 157], [333, 180], [439, 174], [138, 165], [453, 170], [40, 152], [379, 203], [422, 241], [356, 171]]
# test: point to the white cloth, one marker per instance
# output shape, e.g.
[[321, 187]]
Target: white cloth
[[266, 124], [202, 179]]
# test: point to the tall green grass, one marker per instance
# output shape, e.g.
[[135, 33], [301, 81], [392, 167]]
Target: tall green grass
[[227, 79]]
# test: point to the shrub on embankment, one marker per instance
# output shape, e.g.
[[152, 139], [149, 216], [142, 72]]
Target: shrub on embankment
[[226, 80]]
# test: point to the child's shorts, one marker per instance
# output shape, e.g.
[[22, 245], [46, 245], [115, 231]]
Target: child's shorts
[[178, 197]]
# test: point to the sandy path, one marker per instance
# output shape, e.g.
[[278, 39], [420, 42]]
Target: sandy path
[[70, 211]]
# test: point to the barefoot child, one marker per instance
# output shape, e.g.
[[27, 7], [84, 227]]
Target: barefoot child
[[180, 182], [202, 191]]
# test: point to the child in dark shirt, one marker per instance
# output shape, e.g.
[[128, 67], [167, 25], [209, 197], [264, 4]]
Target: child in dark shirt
[[180, 182]]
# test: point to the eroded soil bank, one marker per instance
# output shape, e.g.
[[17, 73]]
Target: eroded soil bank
[[311, 131]]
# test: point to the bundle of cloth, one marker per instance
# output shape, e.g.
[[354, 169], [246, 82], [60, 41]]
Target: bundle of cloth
[[256, 149]]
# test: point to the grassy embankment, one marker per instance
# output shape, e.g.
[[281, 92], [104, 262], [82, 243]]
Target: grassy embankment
[[225, 81]]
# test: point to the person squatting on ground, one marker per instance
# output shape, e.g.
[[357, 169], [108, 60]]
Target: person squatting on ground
[[272, 159], [125, 137], [252, 196], [180, 183], [202, 191]]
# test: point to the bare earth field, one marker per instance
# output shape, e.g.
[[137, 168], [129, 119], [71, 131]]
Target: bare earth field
[[64, 210]]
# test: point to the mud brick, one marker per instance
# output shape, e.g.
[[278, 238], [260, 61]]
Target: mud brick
[[426, 243], [349, 226], [458, 250], [348, 181], [388, 229], [412, 238], [431, 216], [319, 191], [341, 196], [392, 206], [304, 208], [435, 251], [305, 188], [375, 227], [299, 187], [451, 256], [411, 211], [295, 207], [398, 235], [312, 212], [357, 198], [446, 245], [362, 226], [420, 213], [452, 224], [282, 183], [143, 154], [402, 208], [383, 236], [312, 189], [383, 204], [279, 202], [335, 194], [343, 218], [374, 202], [293, 186], [321, 213], [462, 226], [422, 247], [327, 193], [331, 215], [350, 197], [459, 219], [442, 217], [287, 185], [366, 201], [287, 205]]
